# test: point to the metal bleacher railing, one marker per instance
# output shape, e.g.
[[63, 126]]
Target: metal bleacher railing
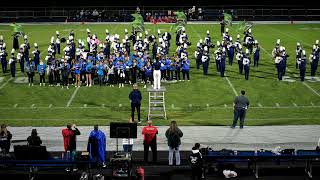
[[122, 14]]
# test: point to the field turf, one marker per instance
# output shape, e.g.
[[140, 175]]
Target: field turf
[[202, 101]]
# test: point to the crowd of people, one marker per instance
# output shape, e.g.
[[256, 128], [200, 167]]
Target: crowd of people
[[109, 62]]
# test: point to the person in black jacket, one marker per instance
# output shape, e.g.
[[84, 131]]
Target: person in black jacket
[[135, 99], [196, 162], [173, 135], [5, 138], [34, 139]]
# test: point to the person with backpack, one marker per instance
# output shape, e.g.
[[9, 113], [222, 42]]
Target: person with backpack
[[196, 161], [173, 135]]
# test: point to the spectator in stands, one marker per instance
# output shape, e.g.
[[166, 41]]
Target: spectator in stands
[[5, 139], [173, 135], [70, 142], [241, 104], [150, 140], [97, 146], [196, 161], [127, 143], [34, 139]]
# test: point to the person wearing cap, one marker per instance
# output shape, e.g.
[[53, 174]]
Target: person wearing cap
[[302, 61], [256, 54], [57, 44], [196, 162], [298, 54], [12, 63], [149, 133], [239, 57], [223, 62], [30, 68], [230, 48], [65, 71], [3, 57], [41, 69], [240, 106], [36, 55], [135, 97], [185, 68], [246, 64]]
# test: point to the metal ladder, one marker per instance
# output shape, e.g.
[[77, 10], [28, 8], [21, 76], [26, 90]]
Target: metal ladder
[[157, 107]]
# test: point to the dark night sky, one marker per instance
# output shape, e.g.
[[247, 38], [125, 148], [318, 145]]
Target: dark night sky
[[64, 3]]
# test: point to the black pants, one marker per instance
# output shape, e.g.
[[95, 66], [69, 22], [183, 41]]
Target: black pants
[[240, 66], [185, 73], [196, 173], [4, 66], [146, 152], [239, 113], [246, 72], [134, 75], [51, 78], [30, 77], [57, 77], [42, 79], [177, 74], [302, 73], [65, 80], [133, 107]]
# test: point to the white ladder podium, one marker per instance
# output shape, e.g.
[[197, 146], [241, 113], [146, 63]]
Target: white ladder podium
[[157, 107]]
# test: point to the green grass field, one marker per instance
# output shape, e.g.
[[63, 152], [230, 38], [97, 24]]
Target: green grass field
[[202, 101]]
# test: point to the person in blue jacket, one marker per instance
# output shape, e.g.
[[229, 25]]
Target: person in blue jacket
[[89, 69], [185, 68], [30, 68], [65, 71], [149, 75], [77, 73], [256, 54], [100, 73], [97, 146], [231, 49], [41, 69]]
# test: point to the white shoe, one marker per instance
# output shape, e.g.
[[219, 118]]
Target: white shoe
[[32, 84], [90, 85], [87, 85], [29, 84], [44, 84], [145, 86], [119, 85], [67, 87], [61, 87], [58, 84], [122, 85], [40, 84]]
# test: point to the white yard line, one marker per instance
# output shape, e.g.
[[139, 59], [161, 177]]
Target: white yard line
[[259, 104], [73, 96], [295, 105], [230, 84], [5, 83], [315, 92]]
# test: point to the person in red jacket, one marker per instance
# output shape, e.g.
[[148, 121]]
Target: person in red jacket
[[69, 139], [150, 140]]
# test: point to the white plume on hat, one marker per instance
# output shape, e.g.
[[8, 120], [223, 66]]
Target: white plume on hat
[[107, 31], [183, 28], [126, 37], [1, 37], [227, 29], [123, 41], [314, 46], [218, 43], [303, 52], [52, 40], [140, 34], [146, 32], [278, 41], [159, 31], [281, 48], [4, 45], [223, 49], [13, 51], [256, 42], [298, 44], [35, 45], [240, 46], [25, 37], [57, 32], [208, 32], [198, 44], [230, 38], [200, 41], [125, 30], [317, 41], [247, 51], [62, 60], [249, 30], [88, 30], [205, 48], [238, 36], [185, 45]]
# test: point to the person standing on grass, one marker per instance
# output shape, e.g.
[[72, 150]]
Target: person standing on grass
[[41, 69], [77, 72], [246, 64], [135, 99], [70, 141], [185, 68], [240, 107], [173, 135], [65, 71], [150, 140], [89, 68], [12, 63], [29, 68], [302, 62]]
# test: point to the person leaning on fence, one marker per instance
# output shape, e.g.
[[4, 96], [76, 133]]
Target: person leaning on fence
[[34, 139], [5, 139], [173, 135]]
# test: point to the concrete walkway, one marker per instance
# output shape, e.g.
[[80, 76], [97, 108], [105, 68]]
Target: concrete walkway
[[217, 137]]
